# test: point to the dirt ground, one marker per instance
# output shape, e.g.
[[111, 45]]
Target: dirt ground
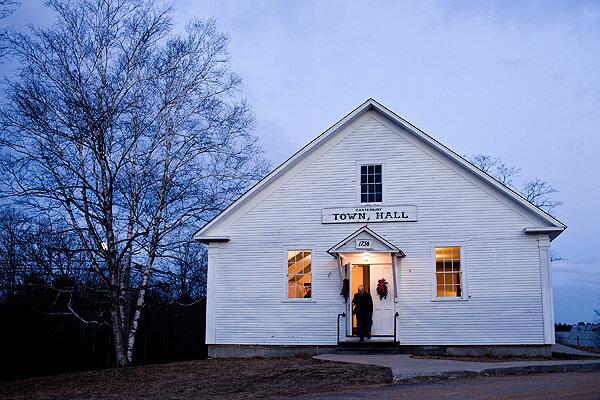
[[255, 378]]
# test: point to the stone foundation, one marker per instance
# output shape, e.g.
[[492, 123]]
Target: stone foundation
[[542, 350], [240, 351]]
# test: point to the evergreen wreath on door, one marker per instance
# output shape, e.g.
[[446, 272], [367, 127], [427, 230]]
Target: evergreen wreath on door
[[382, 288]]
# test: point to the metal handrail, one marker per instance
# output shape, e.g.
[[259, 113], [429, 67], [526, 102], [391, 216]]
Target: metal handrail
[[338, 326], [396, 343]]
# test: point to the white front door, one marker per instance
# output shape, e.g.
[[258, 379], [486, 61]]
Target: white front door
[[383, 309]]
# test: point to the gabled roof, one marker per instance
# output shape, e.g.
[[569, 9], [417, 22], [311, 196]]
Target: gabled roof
[[555, 228], [387, 246]]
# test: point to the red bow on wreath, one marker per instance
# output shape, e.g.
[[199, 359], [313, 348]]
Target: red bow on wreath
[[382, 288]]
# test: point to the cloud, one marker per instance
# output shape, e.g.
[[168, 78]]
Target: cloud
[[583, 271], [513, 61]]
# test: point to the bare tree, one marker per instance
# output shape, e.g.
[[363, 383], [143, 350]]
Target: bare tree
[[188, 282], [130, 135], [495, 167], [6, 9], [536, 191], [13, 229]]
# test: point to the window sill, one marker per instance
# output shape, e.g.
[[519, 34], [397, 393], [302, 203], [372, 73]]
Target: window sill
[[450, 299], [299, 301]]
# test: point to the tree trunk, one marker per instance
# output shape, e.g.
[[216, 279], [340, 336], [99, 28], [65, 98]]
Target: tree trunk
[[140, 304], [118, 338]]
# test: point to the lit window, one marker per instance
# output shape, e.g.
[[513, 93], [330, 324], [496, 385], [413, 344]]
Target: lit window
[[371, 187], [299, 276], [448, 273]]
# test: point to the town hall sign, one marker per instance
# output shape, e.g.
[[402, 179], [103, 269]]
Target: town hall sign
[[404, 213]]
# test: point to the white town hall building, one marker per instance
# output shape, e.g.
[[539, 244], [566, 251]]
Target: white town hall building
[[465, 259]]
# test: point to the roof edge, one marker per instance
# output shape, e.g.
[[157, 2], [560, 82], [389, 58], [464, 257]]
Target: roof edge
[[552, 231], [333, 250], [512, 194], [209, 239], [367, 105], [281, 168]]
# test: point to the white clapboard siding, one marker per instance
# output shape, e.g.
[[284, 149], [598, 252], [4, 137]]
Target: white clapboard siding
[[502, 266]]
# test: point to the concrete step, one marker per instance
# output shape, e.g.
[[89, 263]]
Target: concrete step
[[366, 351], [367, 347], [367, 343]]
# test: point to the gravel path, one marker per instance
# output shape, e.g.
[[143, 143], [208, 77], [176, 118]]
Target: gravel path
[[555, 386]]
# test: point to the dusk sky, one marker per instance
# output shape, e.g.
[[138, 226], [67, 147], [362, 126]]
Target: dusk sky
[[518, 80]]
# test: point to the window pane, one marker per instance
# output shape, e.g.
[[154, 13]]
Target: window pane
[[295, 290], [455, 253], [456, 265], [299, 277], [371, 183], [457, 278], [440, 290], [307, 287], [307, 266], [291, 292], [448, 272]]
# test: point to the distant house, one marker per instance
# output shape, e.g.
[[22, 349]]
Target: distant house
[[465, 259], [584, 335]]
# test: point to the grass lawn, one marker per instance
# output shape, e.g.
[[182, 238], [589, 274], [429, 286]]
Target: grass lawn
[[251, 378]]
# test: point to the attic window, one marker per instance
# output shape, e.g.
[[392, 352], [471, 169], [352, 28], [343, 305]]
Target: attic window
[[371, 186]]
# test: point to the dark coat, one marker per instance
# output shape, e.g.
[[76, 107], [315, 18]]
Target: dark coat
[[363, 303]]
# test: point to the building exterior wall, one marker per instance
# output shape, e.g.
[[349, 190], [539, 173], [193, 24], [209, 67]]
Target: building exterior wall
[[505, 301]]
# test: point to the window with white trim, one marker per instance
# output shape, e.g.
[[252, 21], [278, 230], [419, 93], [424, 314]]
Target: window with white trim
[[299, 274], [448, 272], [371, 183]]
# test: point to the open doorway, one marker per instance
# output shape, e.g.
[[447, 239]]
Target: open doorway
[[360, 274], [369, 275]]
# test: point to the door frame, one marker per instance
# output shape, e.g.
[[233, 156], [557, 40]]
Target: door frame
[[391, 292]]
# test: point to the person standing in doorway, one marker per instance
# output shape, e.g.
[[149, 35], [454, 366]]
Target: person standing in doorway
[[363, 309]]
